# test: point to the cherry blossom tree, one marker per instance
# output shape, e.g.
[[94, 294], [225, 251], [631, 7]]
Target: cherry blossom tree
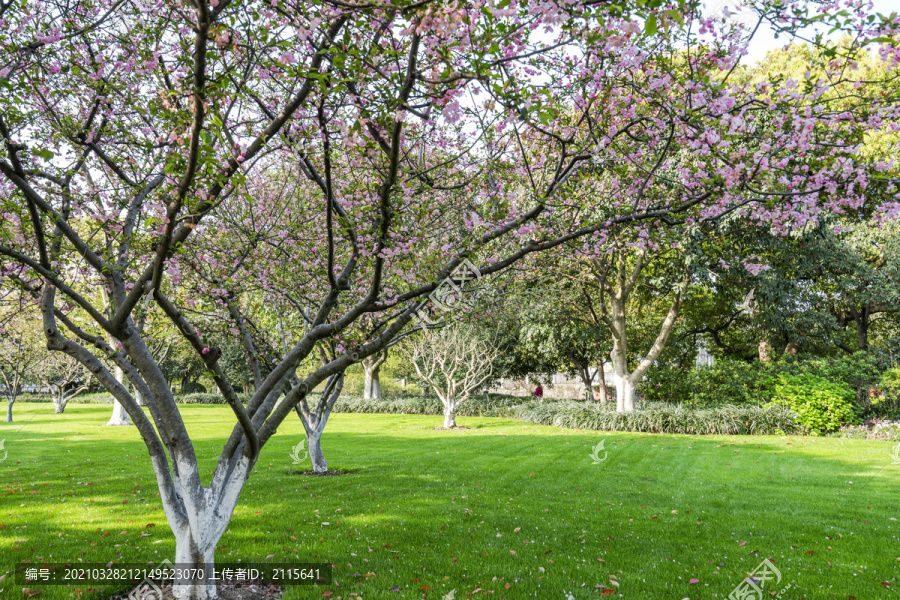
[[339, 161]]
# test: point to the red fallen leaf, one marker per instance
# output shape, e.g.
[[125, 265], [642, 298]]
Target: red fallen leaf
[[513, 552], [506, 586], [886, 584], [417, 579], [608, 592], [104, 534], [259, 512], [30, 592], [387, 545], [654, 517], [601, 560], [424, 588], [810, 551], [694, 581], [149, 525], [326, 594]]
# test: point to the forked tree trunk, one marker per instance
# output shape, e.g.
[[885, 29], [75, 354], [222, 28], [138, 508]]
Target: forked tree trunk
[[314, 422], [199, 517]]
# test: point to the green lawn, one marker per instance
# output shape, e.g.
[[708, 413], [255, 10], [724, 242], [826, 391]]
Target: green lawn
[[509, 509]]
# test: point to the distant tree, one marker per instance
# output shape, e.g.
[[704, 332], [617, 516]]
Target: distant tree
[[20, 352], [64, 376], [454, 362]]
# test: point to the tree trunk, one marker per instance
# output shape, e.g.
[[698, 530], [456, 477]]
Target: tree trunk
[[765, 351], [314, 445], [373, 384], [372, 368], [9, 404], [624, 394], [138, 396], [198, 564], [604, 396], [862, 330], [119, 416], [450, 413], [60, 401]]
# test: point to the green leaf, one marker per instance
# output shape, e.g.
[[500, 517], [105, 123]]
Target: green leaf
[[650, 25]]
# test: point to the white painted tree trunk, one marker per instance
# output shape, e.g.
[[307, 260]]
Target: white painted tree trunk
[[450, 407], [59, 401], [198, 517], [372, 390], [195, 559], [9, 405], [372, 368], [119, 416], [314, 445]]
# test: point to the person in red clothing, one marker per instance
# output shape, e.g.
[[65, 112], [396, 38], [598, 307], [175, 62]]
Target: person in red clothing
[[539, 392]]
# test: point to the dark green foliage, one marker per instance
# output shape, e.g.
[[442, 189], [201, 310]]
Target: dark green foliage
[[732, 381], [193, 387]]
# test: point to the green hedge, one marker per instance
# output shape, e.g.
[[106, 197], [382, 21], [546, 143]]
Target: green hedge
[[492, 405], [655, 417]]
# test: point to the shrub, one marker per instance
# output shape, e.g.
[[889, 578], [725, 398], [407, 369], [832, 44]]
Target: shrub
[[890, 386], [206, 398], [192, 387], [657, 417], [730, 381], [821, 405], [490, 405], [662, 384]]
